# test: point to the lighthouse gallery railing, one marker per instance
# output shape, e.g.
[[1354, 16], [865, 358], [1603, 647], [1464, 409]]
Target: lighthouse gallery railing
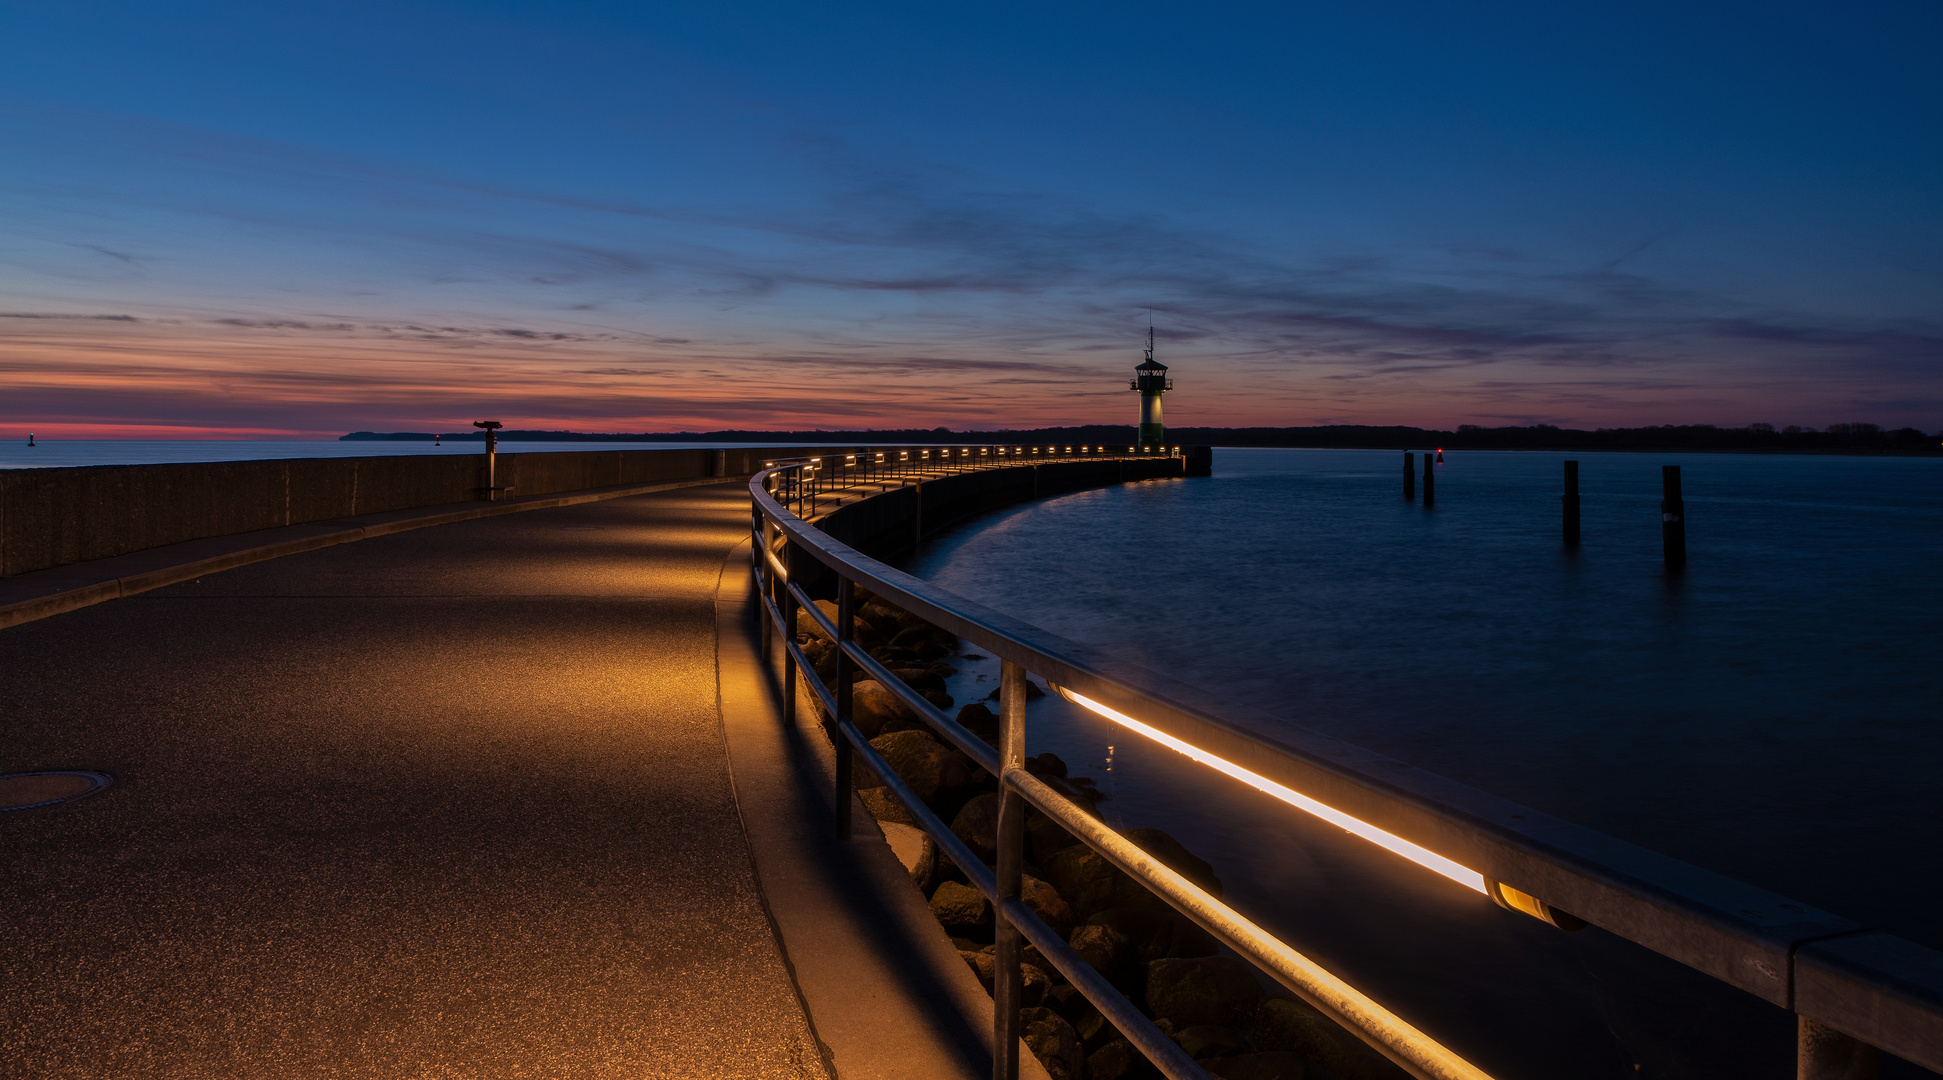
[[1853, 989]]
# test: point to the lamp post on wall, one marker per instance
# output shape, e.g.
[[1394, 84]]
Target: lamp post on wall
[[492, 454]]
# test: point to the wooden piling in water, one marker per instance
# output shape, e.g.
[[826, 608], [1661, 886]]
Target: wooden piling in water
[[1430, 482], [1570, 503], [1409, 476], [1673, 517]]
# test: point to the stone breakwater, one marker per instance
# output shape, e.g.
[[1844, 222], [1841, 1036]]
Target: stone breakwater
[[1215, 1005]]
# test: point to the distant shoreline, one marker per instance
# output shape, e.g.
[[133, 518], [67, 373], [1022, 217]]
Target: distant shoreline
[[1693, 438]]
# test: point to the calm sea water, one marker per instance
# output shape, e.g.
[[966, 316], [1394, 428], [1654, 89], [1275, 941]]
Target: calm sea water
[[56, 453], [1775, 713]]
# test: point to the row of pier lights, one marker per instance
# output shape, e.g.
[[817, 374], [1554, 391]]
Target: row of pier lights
[[1673, 508], [825, 473]]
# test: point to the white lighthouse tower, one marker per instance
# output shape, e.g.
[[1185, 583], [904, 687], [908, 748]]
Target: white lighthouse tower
[[1150, 378]]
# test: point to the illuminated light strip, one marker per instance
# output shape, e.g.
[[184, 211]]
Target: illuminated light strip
[[1424, 857]]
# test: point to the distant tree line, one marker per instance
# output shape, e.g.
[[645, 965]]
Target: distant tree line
[[1836, 438]]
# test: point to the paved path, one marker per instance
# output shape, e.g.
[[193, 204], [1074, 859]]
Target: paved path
[[447, 803]]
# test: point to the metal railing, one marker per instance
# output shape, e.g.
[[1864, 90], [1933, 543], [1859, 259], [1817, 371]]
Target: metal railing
[[805, 482], [1853, 989]]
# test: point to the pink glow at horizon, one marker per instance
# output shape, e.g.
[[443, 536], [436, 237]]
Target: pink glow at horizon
[[181, 378]]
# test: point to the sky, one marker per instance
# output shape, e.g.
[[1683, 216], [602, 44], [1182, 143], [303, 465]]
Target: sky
[[298, 219]]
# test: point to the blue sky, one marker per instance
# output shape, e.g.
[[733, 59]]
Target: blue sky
[[300, 219]]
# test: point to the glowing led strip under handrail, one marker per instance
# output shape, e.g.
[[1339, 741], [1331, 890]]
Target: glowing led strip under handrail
[[1424, 857]]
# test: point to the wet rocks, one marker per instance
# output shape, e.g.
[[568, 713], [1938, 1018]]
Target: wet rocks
[[980, 722], [1115, 1060], [1054, 1042], [873, 708], [1210, 1040], [1219, 990], [977, 825], [1102, 947], [962, 910], [1087, 881], [924, 763], [1295, 1027], [1045, 902], [1177, 858], [1269, 1066], [1153, 934]]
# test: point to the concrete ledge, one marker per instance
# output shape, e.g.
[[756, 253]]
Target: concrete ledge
[[65, 588]]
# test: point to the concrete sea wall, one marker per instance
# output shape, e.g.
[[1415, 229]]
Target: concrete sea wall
[[888, 526], [54, 517]]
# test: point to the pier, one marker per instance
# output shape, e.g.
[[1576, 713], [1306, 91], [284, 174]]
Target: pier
[[528, 792], [486, 792]]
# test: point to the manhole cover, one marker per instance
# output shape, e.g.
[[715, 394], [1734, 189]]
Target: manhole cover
[[24, 791]]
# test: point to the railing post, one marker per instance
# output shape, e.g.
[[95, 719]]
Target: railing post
[[1007, 987], [788, 605], [1823, 1053], [764, 580], [846, 762]]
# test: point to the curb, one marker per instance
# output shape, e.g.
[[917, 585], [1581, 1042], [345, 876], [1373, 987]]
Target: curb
[[112, 586]]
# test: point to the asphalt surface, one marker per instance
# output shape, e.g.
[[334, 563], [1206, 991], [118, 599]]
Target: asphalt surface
[[447, 803]]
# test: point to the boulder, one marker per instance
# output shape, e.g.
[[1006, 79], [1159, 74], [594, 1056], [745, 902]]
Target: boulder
[[822, 655], [1034, 983], [806, 624], [1086, 1018], [1054, 1042], [1089, 883], [1269, 1066], [915, 637], [1295, 1027], [977, 825], [888, 618], [1176, 857], [930, 650], [1210, 1041], [919, 679], [923, 762], [1115, 1060], [863, 777], [884, 806], [1043, 835], [1032, 692], [917, 851], [980, 722], [1203, 990], [1045, 902], [1046, 764], [939, 698], [1154, 934], [892, 656], [962, 909], [872, 707], [1105, 948]]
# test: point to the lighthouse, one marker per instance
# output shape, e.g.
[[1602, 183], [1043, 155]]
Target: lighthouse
[[1151, 380]]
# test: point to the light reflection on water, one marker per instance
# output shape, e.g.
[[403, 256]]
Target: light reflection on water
[[1771, 714]]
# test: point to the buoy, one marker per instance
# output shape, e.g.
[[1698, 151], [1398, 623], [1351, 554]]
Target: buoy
[[30, 438], [1440, 455]]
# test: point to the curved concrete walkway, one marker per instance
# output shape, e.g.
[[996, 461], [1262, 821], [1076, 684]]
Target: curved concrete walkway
[[447, 803]]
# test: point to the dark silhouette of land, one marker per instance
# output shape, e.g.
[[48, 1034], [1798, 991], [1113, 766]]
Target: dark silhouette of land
[[1836, 438]]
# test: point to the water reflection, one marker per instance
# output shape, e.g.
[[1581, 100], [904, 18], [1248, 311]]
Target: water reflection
[[1769, 715]]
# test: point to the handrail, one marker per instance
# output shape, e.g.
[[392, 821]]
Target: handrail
[[1881, 991]]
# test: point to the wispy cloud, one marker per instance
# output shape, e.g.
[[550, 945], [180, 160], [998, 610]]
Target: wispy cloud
[[900, 293]]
